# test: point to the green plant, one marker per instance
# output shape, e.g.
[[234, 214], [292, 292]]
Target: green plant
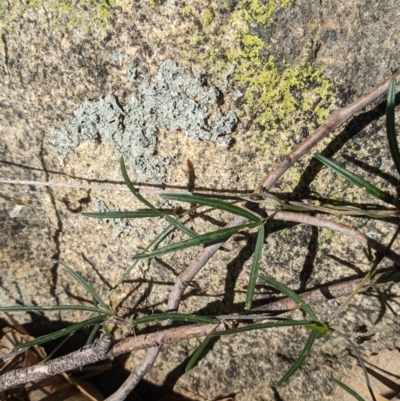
[[100, 313]]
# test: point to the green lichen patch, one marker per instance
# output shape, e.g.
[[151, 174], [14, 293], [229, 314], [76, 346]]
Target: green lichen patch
[[274, 92], [86, 15]]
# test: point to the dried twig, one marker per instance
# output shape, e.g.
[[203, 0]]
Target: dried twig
[[85, 356], [136, 375], [99, 351], [105, 187]]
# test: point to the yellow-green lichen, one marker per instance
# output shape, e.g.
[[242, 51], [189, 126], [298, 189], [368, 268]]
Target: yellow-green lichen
[[273, 93], [86, 15], [263, 13], [34, 3], [324, 235], [207, 17], [186, 11]]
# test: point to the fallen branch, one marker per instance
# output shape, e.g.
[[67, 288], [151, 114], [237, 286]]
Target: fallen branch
[[101, 349], [85, 356]]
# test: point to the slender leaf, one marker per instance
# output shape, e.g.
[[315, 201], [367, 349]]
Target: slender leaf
[[199, 240], [85, 285], [390, 130], [323, 328], [181, 317], [383, 214], [386, 279], [355, 179], [361, 362], [348, 389], [61, 333], [215, 203], [138, 214], [57, 308], [93, 333], [254, 267], [383, 299], [64, 341], [260, 326], [199, 350], [290, 294], [136, 193], [300, 360]]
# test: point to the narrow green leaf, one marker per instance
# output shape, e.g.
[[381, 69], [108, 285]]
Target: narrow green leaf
[[386, 279], [215, 203], [138, 214], [131, 187], [390, 130], [64, 341], [290, 294], [317, 326], [260, 326], [85, 285], [180, 317], [57, 308], [199, 350], [355, 179], [62, 333], [322, 328], [254, 267], [383, 215], [199, 240], [136, 193], [93, 333], [180, 226], [300, 360], [383, 299], [349, 390]]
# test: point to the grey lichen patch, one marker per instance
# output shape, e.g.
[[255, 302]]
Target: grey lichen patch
[[177, 101]]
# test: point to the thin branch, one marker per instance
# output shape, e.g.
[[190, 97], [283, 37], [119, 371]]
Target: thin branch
[[124, 188], [99, 351], [351, 232], [184, 279], [181, 283], [136, 375], [315, 296], [54, 184], [95, 352]]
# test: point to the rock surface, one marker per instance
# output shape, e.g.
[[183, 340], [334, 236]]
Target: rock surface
[[281, 67]]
